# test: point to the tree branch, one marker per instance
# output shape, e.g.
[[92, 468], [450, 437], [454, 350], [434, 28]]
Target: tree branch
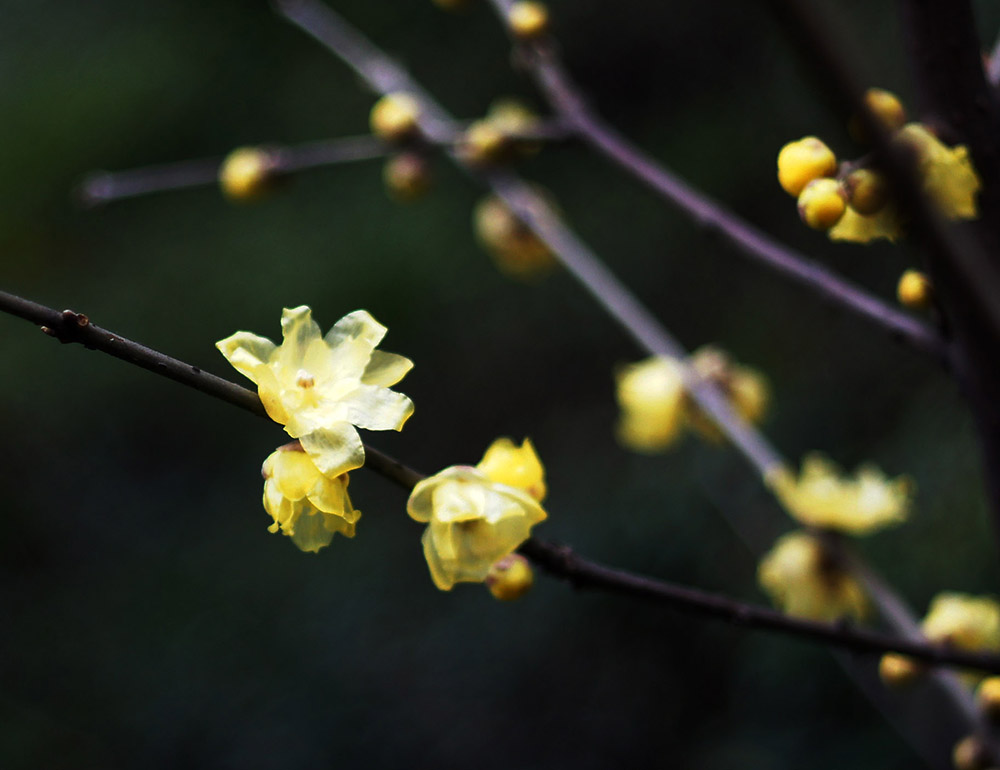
[[551, 76], [68, 326]]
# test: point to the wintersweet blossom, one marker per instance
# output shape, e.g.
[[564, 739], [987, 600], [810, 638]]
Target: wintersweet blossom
[[322, 388], [804, 581], [963, 621], [306, 505], [472, 522], [516, 466], [822, 497], [651, 396]]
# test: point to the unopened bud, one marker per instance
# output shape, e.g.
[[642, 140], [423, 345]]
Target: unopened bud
[[510, 578], [867, 191], [528, 20], [897, 670], [886, 108], [915, 290], [248, 173], [407, 176], [988, 698], [971, 754], [801, 162], [822, 203], [394, 117]]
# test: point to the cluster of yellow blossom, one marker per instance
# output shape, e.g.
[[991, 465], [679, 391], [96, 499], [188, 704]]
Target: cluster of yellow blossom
[[822, 497], [499, 136], [655, 406], [321, 389], [960, 621], [805, 581], [478, 516], [851, 200]]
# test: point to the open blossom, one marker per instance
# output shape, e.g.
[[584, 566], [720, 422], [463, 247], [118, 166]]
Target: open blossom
[[472, 522], [804, 581], [966, 622], [822, 497], [515, 466], [320, 388], [651, 396], [306, 505]]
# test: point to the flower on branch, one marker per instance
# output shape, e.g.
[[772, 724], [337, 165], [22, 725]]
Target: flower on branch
[[472, 523], [655, 406], [306, 505], [320, 388], [822, 497], [515, 466], [805, 581]]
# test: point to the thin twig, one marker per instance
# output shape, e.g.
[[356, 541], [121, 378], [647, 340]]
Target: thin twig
[[551, 76], [107, 186], [68, 327]]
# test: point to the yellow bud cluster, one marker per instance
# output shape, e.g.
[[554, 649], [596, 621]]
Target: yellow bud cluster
[[853, 203], [499, 136]]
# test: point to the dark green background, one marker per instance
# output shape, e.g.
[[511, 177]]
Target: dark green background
[[148, 619]]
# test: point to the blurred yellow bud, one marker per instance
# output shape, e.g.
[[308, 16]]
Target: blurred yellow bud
[[822, 497], [914, 290], [971, 753], [747, 390], [407, 176], [515, 249], [510, 578], [804, 581], [484, 143], [867, 191], [963, 621], [887, 109], [988, 698], [515, 466], [822, 203], [248, 173], [801, 162], [651, 397], [897, 670], [395, 117], [528, 20]]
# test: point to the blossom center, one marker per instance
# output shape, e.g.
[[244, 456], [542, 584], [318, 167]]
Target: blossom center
[[304, 379]]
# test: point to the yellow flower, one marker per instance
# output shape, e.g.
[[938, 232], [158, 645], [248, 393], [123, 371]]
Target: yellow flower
[[746, 389], [966, 622], [516, 250], [651, 396], [821, 497], [306, 505], [320, 388], [805, 582], [472, 522], [515, 466]]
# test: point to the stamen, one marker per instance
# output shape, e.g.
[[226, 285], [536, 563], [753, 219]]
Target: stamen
[[303, 379]]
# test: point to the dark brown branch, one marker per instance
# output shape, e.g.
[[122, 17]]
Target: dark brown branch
[[68, 326], [710, 215]]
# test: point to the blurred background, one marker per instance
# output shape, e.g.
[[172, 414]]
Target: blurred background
[[147, 618]]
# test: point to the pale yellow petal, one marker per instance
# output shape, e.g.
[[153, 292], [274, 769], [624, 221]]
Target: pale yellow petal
[[856, 228], [335, 450], [386, 369], [515, 466], [299, 330], [441, 578], [246, 352], [373, 407], [310, 533]]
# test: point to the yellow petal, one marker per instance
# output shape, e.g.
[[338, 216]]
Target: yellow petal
[[857, 228], [246, 352], [298, 330], [386, 369], [335, 450], [310, 533], [376, 408], [515, 466]]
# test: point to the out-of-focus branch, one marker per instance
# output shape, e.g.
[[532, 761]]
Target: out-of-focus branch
[[550, 74], [68, 326], [107, 186]]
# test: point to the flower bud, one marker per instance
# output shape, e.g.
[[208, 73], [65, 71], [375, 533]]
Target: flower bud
[[484, 143], [407, 176], [867, 191], [915, 290], [801, 162], [510, 578], [515, 249], [971, 754], [886, 108], [988, 698], [394, 117], [898, 670], [248, 173], [822, 204], [528, 20]]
